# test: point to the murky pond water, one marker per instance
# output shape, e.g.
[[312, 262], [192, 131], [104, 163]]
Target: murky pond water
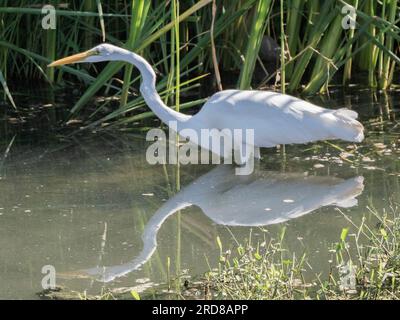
[[103, 217]]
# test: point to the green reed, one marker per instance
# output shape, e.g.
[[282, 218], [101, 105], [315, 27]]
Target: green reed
[[317, 49], [254, 42]]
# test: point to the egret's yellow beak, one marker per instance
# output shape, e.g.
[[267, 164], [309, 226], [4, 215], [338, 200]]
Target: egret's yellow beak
[[72, 59]]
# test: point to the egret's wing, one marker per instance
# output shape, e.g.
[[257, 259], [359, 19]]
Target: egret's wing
[[277, 118]]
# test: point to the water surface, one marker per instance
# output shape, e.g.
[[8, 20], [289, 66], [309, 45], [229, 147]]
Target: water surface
[[94, 208]]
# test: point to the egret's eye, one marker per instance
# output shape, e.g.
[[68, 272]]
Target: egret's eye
[[94, 52]]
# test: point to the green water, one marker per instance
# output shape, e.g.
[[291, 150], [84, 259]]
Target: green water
[[104, 218]]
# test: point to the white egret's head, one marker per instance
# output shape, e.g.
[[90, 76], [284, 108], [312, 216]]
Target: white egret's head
[[102, 52]]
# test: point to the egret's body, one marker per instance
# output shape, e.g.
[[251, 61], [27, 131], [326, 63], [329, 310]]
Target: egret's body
[[275, 118]]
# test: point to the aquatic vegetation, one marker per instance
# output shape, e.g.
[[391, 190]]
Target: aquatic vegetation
[[317, 49], [364, 264]]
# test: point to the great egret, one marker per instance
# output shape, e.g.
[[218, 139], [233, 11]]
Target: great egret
[[275, 118], [266, 198]]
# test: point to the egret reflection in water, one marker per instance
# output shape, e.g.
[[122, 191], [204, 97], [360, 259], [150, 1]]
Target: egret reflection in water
[[260, 199]]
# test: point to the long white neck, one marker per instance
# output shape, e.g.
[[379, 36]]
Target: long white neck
[[149, 91]]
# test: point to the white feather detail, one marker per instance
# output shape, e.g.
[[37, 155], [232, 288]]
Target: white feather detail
[[346, 113]]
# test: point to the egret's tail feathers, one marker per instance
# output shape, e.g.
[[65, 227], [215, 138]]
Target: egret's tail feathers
[[356, 132], [347, 203], [346, 113], [349, 128], [360, 136]]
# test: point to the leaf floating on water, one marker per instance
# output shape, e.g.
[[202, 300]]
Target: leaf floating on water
[[367, 159], [142, 280], [379, 145], [73, 122], [387, 152], [346, 155], [16, 120]]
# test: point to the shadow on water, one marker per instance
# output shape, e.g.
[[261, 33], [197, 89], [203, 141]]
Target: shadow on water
[[96, 210]]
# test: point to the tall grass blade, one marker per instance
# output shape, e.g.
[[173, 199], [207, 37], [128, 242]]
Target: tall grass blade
[[101, 17], [253, 46], [7, 90]]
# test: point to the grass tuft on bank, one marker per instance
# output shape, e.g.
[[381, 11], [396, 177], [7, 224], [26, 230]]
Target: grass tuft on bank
[[364, 264]]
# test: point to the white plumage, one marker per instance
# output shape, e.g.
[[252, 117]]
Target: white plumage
[[275, 118]]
